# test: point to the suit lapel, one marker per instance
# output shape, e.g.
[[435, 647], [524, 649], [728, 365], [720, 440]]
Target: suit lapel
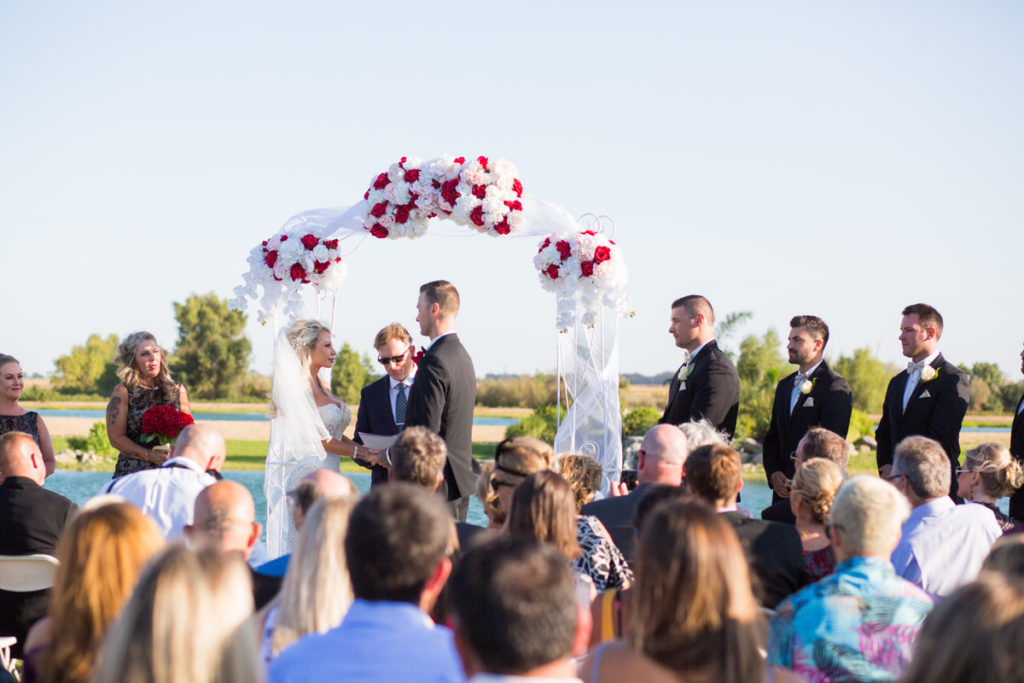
[[901, 385], [919, 389]]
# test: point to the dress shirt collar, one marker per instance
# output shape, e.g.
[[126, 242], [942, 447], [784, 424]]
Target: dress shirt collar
[[386, 613], [696, 351], [407, 381], [179, 462], [865, 563], [929, 509], [811, 371], [434, 340], [929, 360]]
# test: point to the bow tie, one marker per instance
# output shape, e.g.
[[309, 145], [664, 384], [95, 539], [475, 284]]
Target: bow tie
[[798, 380], [686, 358], [915, 367]]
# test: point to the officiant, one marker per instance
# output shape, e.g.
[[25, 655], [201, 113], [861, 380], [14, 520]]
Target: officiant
[[383, 402]]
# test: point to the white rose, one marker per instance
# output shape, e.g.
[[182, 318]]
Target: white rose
[[291, 250], [474, 174], [387, 220], [320, 253], [281, 269], [515, 219], [395, 173]]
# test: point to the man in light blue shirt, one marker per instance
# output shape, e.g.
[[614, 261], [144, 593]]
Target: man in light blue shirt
[[397, 549], [943, 544]]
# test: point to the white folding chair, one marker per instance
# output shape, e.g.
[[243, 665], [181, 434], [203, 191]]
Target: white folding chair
[[5, 656], [23, 574]]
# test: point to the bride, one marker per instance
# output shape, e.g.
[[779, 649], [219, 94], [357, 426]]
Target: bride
[[307, 431]]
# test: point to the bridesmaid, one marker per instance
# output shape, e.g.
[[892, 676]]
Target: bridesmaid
[[14, 418], [145, 382]]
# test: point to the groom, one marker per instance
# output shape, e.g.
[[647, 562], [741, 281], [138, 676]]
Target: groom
[[443, 396]]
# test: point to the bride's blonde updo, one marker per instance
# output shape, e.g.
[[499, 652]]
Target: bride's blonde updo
[[817, 482], [302, 336]]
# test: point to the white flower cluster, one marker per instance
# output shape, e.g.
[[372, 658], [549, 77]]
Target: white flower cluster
[[586, 271], [489, 197], [400, 202]]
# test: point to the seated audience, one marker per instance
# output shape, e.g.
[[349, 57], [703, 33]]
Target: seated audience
[[514, 613], [975, 634], [695, 617], [859, 623], [1007, 556], [714, 474], [659, 460], [814, 486], [397, 550], [316, 591], [489, 497], [943, 544], [990, 473], [225, 519], [168, 493], [818, 442], [321, 483], [514, 460], [186, 621], [702, 433], [101, 554], [31, 520]]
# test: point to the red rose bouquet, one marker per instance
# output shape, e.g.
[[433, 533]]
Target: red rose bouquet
[[163, 424]]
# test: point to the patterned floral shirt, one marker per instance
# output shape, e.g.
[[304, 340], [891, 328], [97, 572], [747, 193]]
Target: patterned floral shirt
[[859, 624]]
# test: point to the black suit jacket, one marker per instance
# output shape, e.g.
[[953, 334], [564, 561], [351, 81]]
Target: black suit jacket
[[775, 554], [779, 511], [1017, 450], [936, 409], [828, 405], [375, 417], [31, 520], [616, 513], [711, 390], [442, 399]]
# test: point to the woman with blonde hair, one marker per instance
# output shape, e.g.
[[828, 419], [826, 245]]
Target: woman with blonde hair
[[145, 382], [489, 497], [101, 554], [185, 623], [988, 474], [14, 418], [514, 460], [813, 489], [316, 591]]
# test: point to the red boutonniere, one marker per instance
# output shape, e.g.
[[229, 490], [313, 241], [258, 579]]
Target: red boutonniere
[[417, 357]]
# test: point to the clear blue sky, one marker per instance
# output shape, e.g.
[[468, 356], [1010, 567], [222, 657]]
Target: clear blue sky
[[842, 159]]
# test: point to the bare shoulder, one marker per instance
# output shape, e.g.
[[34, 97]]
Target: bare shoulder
[[618, 661]]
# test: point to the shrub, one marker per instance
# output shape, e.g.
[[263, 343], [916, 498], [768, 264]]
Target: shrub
[[637, 421], [96, 441], [861, 424], [542, 424]]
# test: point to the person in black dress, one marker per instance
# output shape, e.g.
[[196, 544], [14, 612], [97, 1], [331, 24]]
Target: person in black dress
[[14, 418]]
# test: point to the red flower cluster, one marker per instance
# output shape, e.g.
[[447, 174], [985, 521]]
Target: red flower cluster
[[164, 423], [417, 357]]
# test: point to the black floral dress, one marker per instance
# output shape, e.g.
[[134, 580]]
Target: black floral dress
[[141, 399], [28, 423]]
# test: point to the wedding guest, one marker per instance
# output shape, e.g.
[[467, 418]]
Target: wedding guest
[[1007, 556], [861, 622], [444, 394], [31, 520], [316, 592], [706, 384], [185, 621], [145, 382], [397, 550], [168, 493], [101, 554], [1017, 450], [929, 398], [943, 544], [383, 403], [514, 613], [489, 497], [990, 473], [814, 487], [701, 433], [714, 475], [514, 460], [818, 442], [14, 418], [814, 396], [660, 460]]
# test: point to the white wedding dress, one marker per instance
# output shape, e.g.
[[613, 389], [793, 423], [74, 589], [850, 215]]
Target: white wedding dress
[[336, 418]]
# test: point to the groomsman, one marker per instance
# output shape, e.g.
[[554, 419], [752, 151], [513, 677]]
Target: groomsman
[[443, 397], [1017, 449], [706, 385], [383, 403], [929, 398], [814, 396]]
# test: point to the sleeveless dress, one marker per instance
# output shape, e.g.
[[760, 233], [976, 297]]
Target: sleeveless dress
[[336, 418], [140, 400], [27, 423]]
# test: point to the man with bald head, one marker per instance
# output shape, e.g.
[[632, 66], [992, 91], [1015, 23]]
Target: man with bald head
[[660, 460], [31, 520], [168, 493], [225, 519]]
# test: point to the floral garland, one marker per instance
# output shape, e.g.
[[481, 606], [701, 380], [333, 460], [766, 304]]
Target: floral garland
[[586, 271]]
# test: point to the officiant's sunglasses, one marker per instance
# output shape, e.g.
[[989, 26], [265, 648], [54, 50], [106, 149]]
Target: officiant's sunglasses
[[394, 359]]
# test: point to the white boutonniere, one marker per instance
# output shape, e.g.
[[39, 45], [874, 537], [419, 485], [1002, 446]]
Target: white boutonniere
[[928, 373], [683, 373], [806, 387]]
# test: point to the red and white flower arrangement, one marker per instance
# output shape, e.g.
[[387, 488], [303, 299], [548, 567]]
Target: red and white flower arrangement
[[162, 424], [400, 202], [586, 270]]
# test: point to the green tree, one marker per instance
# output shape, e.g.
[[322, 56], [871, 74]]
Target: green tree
[[868, 378], [761, 365], [987, 381], [89, 368], [351, 373], [727, 327], [212, 354]]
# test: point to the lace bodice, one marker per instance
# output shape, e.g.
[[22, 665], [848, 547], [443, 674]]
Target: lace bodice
[[336, 418]]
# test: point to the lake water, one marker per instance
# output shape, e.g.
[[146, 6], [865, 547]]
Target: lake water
[[247, 417]]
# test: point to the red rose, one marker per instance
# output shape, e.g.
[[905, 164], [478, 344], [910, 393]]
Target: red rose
[[552, 271], [270, 259], [264, 243], [477, 216], [564, 249], [298, 272], [459, 160], [589, 232], [517, 187], [417, 357], [378, 209], [514, 205], [284, 238], [602, 254], [412, 176], [310, 242], [402, 214], [587, 268], [331, 244], [379, 231], [545, 244], [321, 266], [502, 227], [479, 191], [381, 182], [448, 191], [402, 161], [412, 199], [611, 241], [483, 162], [366, 195], [337, 260]]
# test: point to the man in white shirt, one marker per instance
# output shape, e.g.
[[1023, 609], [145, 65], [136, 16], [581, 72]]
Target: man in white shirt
[[943, 544], [168, 493]]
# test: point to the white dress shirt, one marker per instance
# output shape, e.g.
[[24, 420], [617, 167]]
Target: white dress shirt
[[913, 378], [393, 392], [434, 340], [166, 494], [795, 393]]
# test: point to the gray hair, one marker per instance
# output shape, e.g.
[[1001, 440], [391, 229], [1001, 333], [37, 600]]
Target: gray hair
[[925, 465], [702, 433], [869, 512]]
